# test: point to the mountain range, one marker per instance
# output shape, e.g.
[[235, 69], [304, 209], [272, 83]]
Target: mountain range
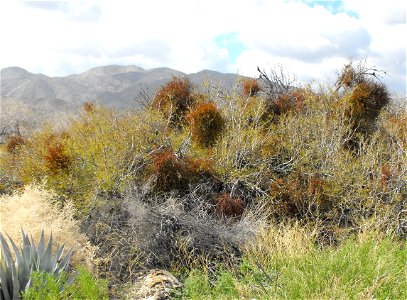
[[112, 86]]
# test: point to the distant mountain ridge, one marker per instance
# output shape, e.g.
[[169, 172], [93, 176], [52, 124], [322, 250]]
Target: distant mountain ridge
[[112, 85]]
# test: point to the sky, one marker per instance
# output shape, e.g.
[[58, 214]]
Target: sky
[[311, 40]]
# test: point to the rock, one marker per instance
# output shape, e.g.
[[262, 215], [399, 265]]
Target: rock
[[155, 285]]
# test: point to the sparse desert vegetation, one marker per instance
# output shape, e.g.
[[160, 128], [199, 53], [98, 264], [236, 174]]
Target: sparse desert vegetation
[[268, 191]]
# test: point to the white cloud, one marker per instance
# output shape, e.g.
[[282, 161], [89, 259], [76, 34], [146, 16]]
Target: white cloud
[[311, 41]]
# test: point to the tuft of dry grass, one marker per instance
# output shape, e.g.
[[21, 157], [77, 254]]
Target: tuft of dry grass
[[33, 211]]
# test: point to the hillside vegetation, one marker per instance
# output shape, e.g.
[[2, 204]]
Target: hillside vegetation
[[268, 191]]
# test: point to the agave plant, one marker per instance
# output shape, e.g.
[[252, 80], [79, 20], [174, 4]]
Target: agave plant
[[15, 275]]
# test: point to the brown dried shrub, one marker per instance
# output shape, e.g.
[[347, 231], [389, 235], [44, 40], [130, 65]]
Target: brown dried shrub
[[226, 206], [89, 107], [250, 87], [14, 143], [207, 124]]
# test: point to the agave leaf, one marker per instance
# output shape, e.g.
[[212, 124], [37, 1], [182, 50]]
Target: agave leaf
[[71, 279], [4, 291], [26, 246], [6, 251], [33, 255], [23, 272], [58, 254], [65, 261], [45, 263], [8, 270], [53, 263], [15, 283], [40, 250]]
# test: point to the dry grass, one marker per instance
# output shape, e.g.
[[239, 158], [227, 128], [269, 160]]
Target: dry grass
[[33, 211]]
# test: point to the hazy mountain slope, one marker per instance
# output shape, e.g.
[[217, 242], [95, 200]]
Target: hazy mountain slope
[[114, 86]]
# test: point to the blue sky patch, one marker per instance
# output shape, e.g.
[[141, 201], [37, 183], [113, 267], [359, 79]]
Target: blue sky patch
[[230, 41], [334, 6]]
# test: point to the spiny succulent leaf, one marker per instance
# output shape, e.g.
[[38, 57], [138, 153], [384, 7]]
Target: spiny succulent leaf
[[59, 252], [15, 283], [65, 261], [4, 291], [23, 272], [6, 251], [26, 248], [45, 263], [40, 250]]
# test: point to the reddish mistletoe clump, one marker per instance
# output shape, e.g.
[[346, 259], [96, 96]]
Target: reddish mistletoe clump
[[175, 99], [207, 124], [56, 159], [250, 87], [14, 143], [169, 171], [226, 206]]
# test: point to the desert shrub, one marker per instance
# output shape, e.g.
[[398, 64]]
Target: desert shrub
[[207, 124], [365, 103], [175, 235], [107, 227], [36, 209], [226, 206], [175, 99], [250, 87], [96, 152], [14, 143]]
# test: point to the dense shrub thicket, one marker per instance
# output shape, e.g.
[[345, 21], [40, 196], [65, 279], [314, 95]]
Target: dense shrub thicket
[[199, 168]]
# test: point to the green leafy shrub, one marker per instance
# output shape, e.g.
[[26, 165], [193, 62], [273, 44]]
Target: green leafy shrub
[[207, 124], [83, 285], [15, 276], [286, 264]]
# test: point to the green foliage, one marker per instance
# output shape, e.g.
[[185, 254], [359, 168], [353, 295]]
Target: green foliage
[[366, 268], [15, 276], [84, 286], [207, 124]]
